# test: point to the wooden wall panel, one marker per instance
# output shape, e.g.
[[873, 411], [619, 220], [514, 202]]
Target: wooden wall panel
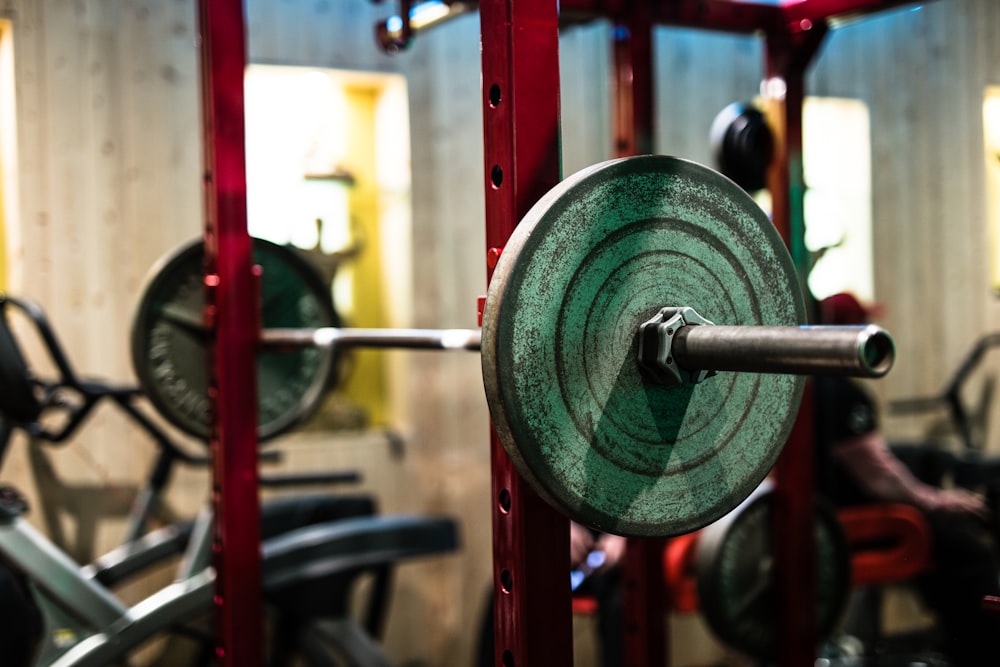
[[109, 171], [697, 75], [584, 96], [108, 164]]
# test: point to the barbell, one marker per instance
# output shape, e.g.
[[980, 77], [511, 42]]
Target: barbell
[[617, 298]]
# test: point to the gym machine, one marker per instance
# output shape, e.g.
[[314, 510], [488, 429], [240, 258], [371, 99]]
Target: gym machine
[[314, 548], [614, 208]]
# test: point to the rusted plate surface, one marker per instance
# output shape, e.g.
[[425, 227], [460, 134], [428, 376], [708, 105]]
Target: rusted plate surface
[[598, 255]]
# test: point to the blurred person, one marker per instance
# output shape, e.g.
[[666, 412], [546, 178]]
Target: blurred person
[[857, 466], [595, 559]]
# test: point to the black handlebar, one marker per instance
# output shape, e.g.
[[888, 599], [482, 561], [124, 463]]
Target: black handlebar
[[951, 395]]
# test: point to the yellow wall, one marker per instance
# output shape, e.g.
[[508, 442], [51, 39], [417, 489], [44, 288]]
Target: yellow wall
[[991, 136], [3, 228], [367, 382], [5, 74]]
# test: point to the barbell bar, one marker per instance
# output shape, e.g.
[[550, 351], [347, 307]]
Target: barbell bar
[[594, 376], [858, 351], [348, 337]]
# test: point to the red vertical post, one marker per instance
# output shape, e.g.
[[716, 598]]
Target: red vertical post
[[644, 593], [632, 82], [231, 312], [788, 55], [520, 54]]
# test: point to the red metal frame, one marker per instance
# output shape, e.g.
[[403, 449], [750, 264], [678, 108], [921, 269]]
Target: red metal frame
[[787, 57], [794, 31], [520, 52], [735, 15], [231, 309], [520, 58], [632, 82]]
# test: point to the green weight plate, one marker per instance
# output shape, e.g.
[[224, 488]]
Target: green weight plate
[[169, 340], [597, 256], [736, 575]]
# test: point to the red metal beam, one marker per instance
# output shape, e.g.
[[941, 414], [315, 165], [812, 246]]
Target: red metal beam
[[722, 15], [231, 310], [787, 57], [805, 13], [520, 52], [741, 16], [632, 82]]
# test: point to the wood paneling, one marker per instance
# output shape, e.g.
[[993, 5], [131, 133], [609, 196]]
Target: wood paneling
[[109, 179], [108, 169]]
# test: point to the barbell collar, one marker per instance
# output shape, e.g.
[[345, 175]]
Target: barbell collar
[[341, 337], [858, 351]]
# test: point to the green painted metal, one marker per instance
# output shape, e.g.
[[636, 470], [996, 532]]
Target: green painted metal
[[170, 339], [601, 253]]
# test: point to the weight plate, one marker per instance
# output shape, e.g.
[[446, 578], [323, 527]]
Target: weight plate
[[743, 144], [169, 340], [736, 577], [597, 256]]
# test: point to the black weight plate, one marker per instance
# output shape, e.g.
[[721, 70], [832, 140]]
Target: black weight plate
[[736, 575], [169, 340], [743, 145]]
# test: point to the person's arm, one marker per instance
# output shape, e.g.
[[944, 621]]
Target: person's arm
[[580, 543], [868, 460], [613, 547]]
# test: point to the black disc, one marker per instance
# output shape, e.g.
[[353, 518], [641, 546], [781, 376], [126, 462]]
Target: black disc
[[169, 340], [736, 575], [743, 145]]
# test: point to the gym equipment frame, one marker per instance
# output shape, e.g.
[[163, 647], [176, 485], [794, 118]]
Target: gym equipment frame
[[521, 121], [521, 34]]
